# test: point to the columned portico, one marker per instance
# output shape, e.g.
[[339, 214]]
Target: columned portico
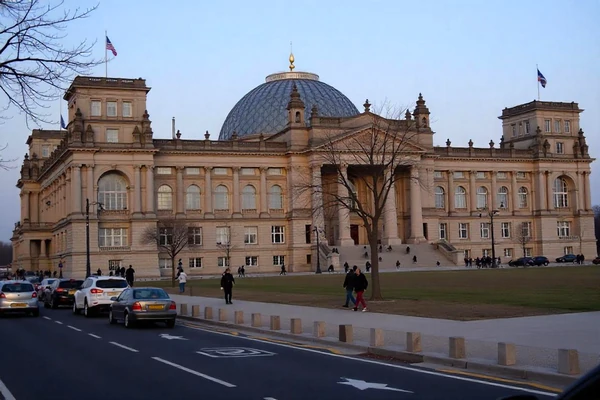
[[416, 211], [390, 229], [344, 238]]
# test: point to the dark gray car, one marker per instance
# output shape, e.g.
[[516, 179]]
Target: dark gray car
[[143, 304]]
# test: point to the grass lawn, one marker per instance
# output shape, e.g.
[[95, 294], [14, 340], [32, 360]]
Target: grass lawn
[[459, 295]]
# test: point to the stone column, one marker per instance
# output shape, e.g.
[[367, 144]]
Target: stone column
[[34, 211], [390, 232], [540, 197], [318, 220], [416, 210], [494, 200], [68, 191], [586, 190], [264, 193], [344, 238], [90, 183], [450, 193], [580, 190], [514, 189], [150, 189], [472, 191], [25, 196], [208, 208], [76, 188], [549, 190], [137, 193], [180, 190], [237, 200]]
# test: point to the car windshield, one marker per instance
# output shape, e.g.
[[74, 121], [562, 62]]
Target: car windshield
[[33, 279], [17, 288], [150, 294], [70, 284], [111, 283], [50, 281]]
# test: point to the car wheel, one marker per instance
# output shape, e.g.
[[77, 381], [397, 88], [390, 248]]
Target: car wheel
[[111, 319], [170, 323], [128, 322], [86, 310], [75, 309], [546, 264], [53, 305]]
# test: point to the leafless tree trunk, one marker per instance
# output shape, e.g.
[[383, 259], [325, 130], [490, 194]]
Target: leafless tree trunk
[[523, 236], [171, 237], [35, 67]]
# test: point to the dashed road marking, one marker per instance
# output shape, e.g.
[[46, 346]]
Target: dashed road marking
[[94, 336], [191, 371], [72, 327], [58, 322], [48, 318], [5, 393], [124, 347]]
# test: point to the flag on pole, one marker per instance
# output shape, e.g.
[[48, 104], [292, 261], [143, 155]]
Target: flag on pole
[[62, 123], [541, 79], [109, 46]]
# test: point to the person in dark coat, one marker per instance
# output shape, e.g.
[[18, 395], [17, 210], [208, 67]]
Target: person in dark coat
[[349, 286], [227, 282], [360, 285], [130, 275]]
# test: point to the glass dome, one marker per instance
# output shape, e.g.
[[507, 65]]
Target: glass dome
[[263, 109]]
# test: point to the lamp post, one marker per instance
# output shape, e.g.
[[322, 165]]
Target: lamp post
[[88, 265], [491, 214], [318, 271]]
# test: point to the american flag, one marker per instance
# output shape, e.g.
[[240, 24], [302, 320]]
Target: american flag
[[109, 46], [541, 79]]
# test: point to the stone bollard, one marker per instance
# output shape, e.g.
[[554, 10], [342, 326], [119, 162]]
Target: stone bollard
[[568, 362], [222, 314], [319, 329], [256, 320], [457, 347], [413, 342], [507, 354], [376, 338], [208, 314], [183, 309], [195, 310], [238, 317], [346, 334], [275, 323], [296, 325]]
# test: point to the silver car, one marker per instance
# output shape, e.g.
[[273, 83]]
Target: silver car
[[143, 304], [18, 297]]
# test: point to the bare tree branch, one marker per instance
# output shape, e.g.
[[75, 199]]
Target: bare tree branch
[[6, 164], [170, 236], [523, 236]]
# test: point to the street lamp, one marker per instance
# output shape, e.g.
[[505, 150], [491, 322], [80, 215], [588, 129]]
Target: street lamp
[[88, 265], [491, 214], [318, 271]]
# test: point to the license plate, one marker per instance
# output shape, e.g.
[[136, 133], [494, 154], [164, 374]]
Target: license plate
[[155, 307], [110, 294], [18, 305], [71, 291]]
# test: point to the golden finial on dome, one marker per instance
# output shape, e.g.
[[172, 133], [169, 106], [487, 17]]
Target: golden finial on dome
[[291, 59]]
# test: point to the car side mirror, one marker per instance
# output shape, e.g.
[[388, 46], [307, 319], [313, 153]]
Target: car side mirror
[[113, 299]]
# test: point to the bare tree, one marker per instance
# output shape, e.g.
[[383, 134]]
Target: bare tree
[[380, 155], [523, 236], [171, 237], [227, 247], [5, 164], [35, 67]]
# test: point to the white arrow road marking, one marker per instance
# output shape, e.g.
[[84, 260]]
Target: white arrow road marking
[[363, 385], [124, 347], [171, 337], [191, 371]]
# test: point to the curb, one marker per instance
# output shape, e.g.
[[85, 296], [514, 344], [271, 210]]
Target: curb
[[405, 356]]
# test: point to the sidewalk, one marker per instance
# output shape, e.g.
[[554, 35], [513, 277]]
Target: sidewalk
[[537, 338]]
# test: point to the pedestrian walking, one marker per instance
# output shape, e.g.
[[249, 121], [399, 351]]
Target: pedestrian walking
[[360, 285], [130, 275], [182, 278], [349, 286], [99, 272], [283, 271], [227, 282]]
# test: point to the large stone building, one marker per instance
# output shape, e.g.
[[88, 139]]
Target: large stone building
[[237, 193]]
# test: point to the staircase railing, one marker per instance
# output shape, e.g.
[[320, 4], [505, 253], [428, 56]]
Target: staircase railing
[[449, 251]]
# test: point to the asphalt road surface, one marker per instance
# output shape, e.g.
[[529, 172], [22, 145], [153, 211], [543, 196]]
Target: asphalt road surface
[[62, 356]]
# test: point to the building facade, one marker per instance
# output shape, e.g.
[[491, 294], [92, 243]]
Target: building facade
[[237, 197]]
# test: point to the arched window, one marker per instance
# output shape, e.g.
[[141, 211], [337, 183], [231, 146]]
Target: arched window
[[112, 192], [460, 197], [221, 198], [165, 198], [440, 198], [502, 197], [561, 193], [353, 193], [297, 116], [482, 197], [192, 198], [249, 198], [523, 193], [276, 198]]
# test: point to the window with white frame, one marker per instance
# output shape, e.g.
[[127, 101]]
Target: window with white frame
[[480, 175], [127, 113], [513, 127], [508, 252], [250, 235], [547, 123], [194, 236], [501, 175], [521, 175], [567, 126], [467, 253], [220, 171], [248, 171], [114, 264], [111, 108], [164, 263], [165, 198], [443, 228], [276, 198], [222, 235], [251, 261], [523, 197], [520, 129], [278, 261], [463, 230], [557, 125], [112, 192], [112, 237], [45, 151], [275, 171], [353, 193], [192, 198], [484, 227], [526, 229], [223, 262], [459, 174], [278, 234], [560, 148], [460, 197], [96, 110], [502, 197], [112, 136], [486, 252], [249, 198], [195, 262], [221, 195], [192, 171], [563, 228], [482, 197], [527, 128], [568, 250], [438, 174], [163, 170], [505, 230], [528, 252], [440, 197], [561, 193], [165, 236]]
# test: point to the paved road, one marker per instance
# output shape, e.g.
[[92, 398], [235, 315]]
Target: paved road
[[62, 356]]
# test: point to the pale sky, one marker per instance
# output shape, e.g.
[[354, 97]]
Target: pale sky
[[470, 59]]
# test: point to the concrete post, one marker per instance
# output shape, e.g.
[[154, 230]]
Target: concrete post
[[195, 310], [457, 347], [346, 334], [238, 317], [183, 309], [507, 354], [296, 325], [376, 338], [319, 329], [208, 313], [275, 323], [256, 320], [413, 342], [222, 314], [568, 362]]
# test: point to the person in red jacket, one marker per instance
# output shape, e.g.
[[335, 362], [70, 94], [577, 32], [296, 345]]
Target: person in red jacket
[[360, 285]]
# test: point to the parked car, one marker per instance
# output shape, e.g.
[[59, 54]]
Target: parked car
[[61, 293], [596, 260], [567, 258], [96, 292], [521, 262], [18, 297], [540, 260], [41, 289], [143, 304]]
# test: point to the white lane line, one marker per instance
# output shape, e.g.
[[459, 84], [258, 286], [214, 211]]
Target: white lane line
[[94, 336], [72, 327], [48, 318], [191, 371], [58, 322], [402, 367], [5, 392], [124, 347], [269, 398]]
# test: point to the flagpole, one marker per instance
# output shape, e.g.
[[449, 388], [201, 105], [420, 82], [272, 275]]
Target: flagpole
[[538, 80], [105, 54]]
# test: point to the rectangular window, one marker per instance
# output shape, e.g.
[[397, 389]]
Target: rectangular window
[[45, 151], [527, 128], [556, 125], [163, 170], [505, 229], [501, 175], [223, 262], [275, 171], [521, 175], [192, 171], [96, 108], [567, 126], [222, 235], [127, 109], [251, 261], [568, 250], [463, 230], [111, 108], [459, 174], [278, 234], [112, 136], [508, 252], [526, 229], [247, 171], [112, 237], [278, 261], [547, 125], [114, 264], [220, 171], [514, 130], [559, 148], [438, 174], [528, 251], [195, 262], [484, 227], [250, 235], [520, 129], [195, 236], [165, 236], [563, 229], [486, 252], [164, 263], [467, 253], [443, 231], [480, 175]]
